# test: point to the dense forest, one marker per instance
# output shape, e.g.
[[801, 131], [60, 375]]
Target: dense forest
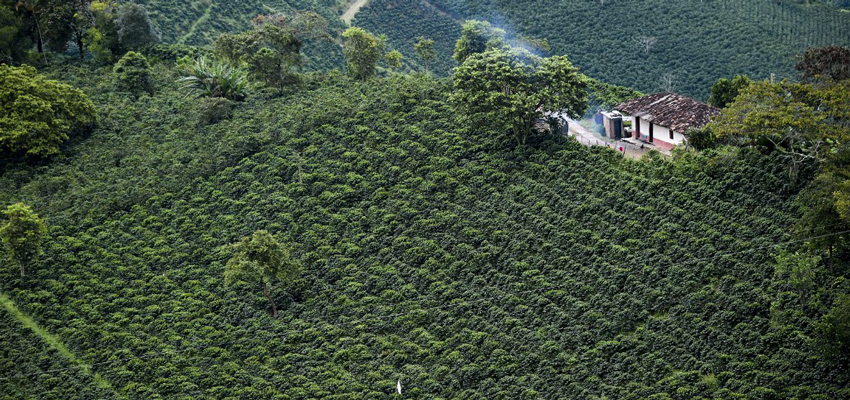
[[216, 223]]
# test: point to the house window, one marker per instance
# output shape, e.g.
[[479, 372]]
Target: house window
[[671, 134], [650, 132]]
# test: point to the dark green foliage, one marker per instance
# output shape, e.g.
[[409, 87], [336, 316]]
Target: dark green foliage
[[38, 114], [272, 49], [697, 41], [701, 138], [13, 40], [214, 109], [424, 49], [476, 37], [433, 255], [133, 73], [724, 91], [261, 259], [23, 359], [506, 92], [134, 27], [832, 62], [832, 333], [404, 22], [22, 233], [102, 37]]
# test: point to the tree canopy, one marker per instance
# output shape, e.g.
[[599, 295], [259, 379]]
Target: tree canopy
[[22, 234], [362, 51], [260, 258], [724, 91], [39, 114], [508, 91]]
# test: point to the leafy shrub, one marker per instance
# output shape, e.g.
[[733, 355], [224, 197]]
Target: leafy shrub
[[206, 77], [38, 114], [133, 73]]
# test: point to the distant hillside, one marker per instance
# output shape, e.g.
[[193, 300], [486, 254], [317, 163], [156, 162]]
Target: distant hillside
[[432, 255], [696, 42]]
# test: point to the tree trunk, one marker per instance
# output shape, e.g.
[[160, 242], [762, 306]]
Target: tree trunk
[[266, 292], [22, 268], [80, 45]]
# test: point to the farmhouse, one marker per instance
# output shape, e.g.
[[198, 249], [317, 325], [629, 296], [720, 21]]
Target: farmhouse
[[660, 119]]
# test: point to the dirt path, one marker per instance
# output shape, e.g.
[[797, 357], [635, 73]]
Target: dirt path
[[352, 10], [51, 340], [589, 138]]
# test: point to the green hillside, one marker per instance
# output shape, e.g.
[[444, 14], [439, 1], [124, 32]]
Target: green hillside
[[432, 255], [697, 42]]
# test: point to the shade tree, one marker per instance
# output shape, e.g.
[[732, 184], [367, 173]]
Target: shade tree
[[261, 259], [39, 114], [22, 235], [508, 91]]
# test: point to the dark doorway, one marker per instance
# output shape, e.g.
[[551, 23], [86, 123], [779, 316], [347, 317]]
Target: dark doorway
[[650, 132], [637, 127]]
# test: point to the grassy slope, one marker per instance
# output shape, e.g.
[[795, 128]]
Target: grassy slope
[[698, 41], [394, 209]]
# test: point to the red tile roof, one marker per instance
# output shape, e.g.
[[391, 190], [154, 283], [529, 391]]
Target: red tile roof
[[674, 111]]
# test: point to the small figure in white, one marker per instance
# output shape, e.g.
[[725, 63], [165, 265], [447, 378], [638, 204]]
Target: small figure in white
[[398, 386]]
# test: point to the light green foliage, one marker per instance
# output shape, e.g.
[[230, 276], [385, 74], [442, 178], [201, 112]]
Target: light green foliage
[[724, 91], [261, 259], [133, 73], [362, 51], [38, 114], [102, 37], [424, 49], [204, 77], [393, 59], [476, 37], [436, 255], [22, 234], [832, 332], [507, 91], [134, 26]]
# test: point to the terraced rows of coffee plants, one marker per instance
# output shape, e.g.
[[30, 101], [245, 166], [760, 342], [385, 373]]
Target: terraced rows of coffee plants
[[201, 22], [404, 22], [697, 42], [23, 359], [433, 255]]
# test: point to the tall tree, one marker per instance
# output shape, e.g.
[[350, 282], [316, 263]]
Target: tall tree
[[424, 49], [832, 62], [134, 26], [724, 91], [261, 259], [102, 37], [272, 49], [22, 234], [476, 37], [508, 91], [832, 333], [393, 59], [13, 38], [38, 114], [133, 73], [362, 51]]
